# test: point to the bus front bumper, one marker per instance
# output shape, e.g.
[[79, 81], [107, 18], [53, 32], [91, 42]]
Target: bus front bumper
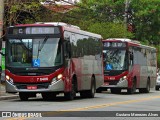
[[54, 87], [120, 84]]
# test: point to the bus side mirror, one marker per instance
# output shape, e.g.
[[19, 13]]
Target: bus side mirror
[[131, 58]]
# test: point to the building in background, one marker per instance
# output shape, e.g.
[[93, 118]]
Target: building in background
[[60, 5], [61, 2]]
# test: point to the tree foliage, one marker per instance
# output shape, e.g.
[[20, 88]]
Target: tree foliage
[[105, 17], [143, 15], [110, 30], [147, 19], [18, 11], [100, 17]]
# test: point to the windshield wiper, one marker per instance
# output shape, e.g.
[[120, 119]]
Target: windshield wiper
[[42, 45], [114, 52], [23, 45]]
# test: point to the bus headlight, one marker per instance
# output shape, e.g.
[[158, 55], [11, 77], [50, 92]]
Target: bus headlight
[[9, 79], [123, 78], [59, 77]]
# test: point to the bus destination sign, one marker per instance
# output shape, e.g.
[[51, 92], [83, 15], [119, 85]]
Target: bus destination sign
[[34, 30], [114, 44]]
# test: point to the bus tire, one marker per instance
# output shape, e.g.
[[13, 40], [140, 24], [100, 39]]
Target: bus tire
[[48, 96], [89, 93], [92, 91], [156, 88], [132, 90], [115, 90], [147, 89], [99, 90], [23, 96], [72, 94]]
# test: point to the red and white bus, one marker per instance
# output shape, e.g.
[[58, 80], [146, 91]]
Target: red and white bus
[[53, 58], [128, 65]]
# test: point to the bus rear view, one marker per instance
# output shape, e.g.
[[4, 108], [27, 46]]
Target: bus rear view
[[128, 65]]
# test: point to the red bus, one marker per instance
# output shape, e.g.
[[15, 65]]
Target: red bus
[[52, 58], [128, 65]]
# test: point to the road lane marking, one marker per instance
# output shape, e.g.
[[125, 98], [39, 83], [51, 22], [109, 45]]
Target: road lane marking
[[100, 106], [54, 113], [112, 104]]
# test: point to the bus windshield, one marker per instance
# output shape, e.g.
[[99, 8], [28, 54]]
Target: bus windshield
[[37, 52], [115, 59]]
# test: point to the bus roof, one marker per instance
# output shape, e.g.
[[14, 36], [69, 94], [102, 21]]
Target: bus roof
[[72, 28], [149, 47], [122, 40], [130, 41], [68, 27]]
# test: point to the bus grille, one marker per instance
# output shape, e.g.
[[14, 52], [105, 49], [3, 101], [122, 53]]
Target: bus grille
[[112, 82]]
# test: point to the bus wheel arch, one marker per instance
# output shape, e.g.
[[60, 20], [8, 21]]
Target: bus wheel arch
[[74, 81], [91, 92], [93, 86], [133, 86], [147, 88], [72, 94]]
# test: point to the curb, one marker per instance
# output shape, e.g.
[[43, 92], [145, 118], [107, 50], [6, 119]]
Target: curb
[[6, 96], [9, 97]]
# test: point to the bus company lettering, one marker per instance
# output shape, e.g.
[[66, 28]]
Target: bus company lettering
[[112, 78], [42, 79]]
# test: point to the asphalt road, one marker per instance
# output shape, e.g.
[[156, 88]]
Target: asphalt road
[[104, 106]]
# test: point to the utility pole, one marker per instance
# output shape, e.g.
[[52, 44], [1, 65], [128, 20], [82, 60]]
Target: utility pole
[[1, 31], [127, 2], [1, 17]]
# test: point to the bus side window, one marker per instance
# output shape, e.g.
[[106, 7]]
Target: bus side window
[[67, 49]]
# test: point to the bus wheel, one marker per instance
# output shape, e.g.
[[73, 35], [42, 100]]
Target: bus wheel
[[23, 96], [115, 90], [72, 94], [92, 91], [99, 90], [147, 89], [133, 88], [157, 88], [89, 93], [48, 96]]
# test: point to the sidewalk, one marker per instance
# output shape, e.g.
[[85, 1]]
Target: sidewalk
[[4, 95]]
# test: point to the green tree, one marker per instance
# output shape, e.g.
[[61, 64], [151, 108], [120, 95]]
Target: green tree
[[110, 30], [103, 17], [143, 15], [17, 11], [146, 19]]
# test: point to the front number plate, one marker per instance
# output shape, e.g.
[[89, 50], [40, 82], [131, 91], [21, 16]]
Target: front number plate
[[29, 87]]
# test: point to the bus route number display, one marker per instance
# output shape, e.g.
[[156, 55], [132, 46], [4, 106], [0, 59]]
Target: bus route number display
[[34, 30], [114, 44]]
